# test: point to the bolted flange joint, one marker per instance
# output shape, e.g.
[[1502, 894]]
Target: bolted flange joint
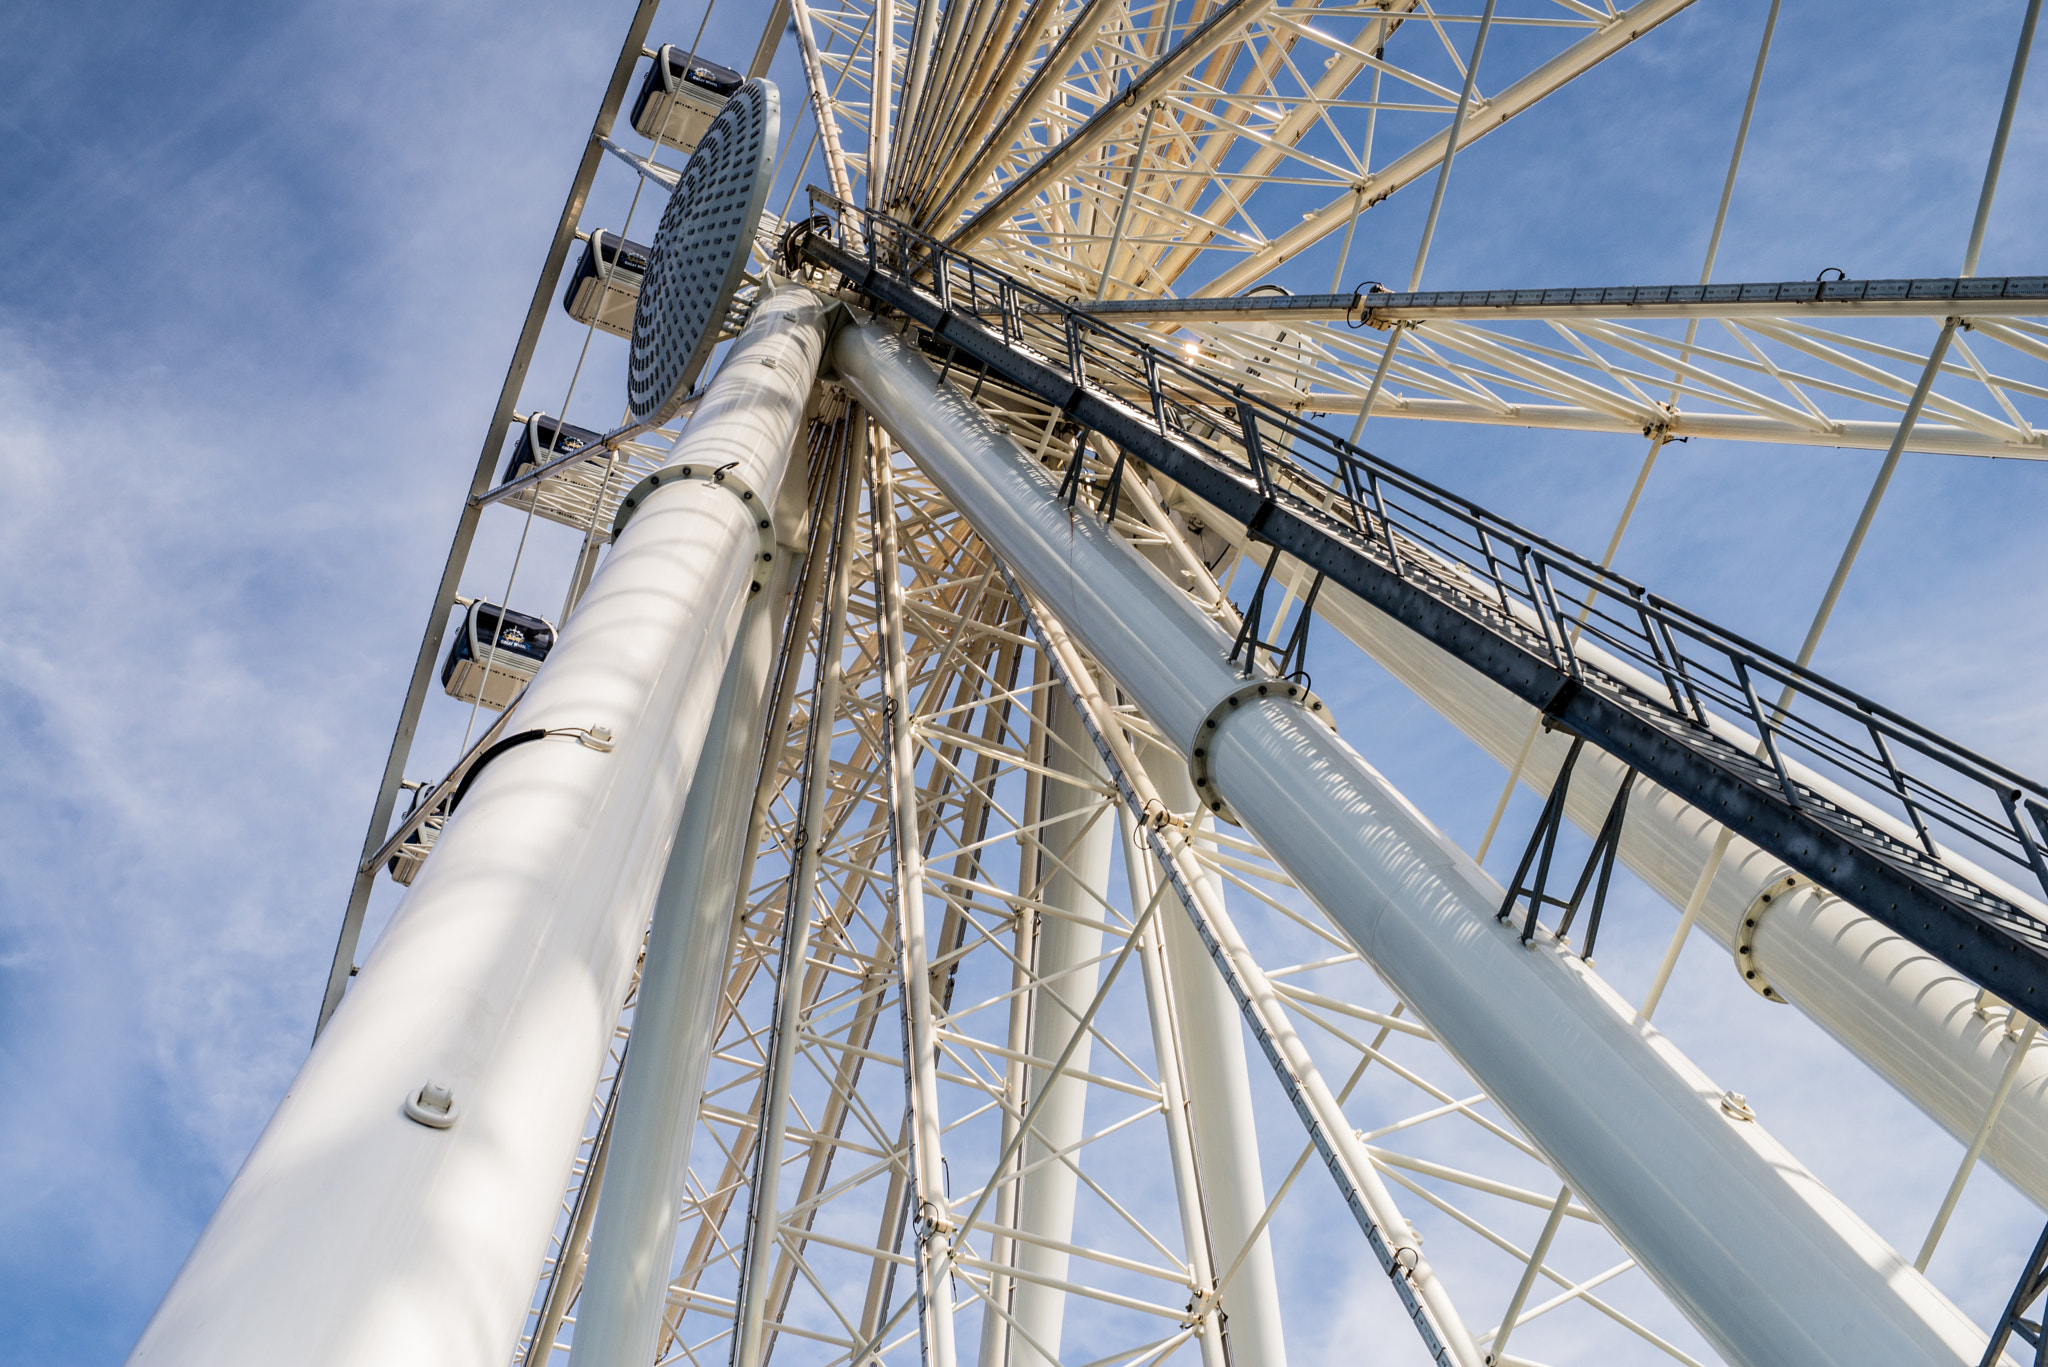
[[1752, 972], [1200, 747], [721, 477]]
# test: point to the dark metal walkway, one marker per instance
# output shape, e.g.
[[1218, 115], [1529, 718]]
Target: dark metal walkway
[[1938, 296], [1644, 679]]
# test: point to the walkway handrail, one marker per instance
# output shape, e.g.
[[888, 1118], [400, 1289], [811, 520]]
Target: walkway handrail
[[1818, 781]]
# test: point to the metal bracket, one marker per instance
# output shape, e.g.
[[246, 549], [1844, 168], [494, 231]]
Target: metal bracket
[[1290, 657], [1070, 480], [721, 476], [1543, 843], [1199, 747], [433, 1105], [2033, 1281], [1745, 934]]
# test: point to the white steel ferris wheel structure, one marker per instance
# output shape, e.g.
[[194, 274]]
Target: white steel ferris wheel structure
[[915, 908]]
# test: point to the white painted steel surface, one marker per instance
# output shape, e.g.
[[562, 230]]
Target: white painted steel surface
[[779, 1081], [353, 1235], [1774, 1269], [689, 942], [1220, 1109], [1912, 1019], [1067, 973]]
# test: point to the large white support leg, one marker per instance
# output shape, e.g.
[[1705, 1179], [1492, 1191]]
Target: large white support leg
[[1911, 1018], [764, 1222], [1767, 1262], [355, 1234]]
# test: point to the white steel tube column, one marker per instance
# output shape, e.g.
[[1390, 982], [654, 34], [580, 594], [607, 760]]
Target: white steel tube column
[[618, 1314], [1750, 1246], [1170, 1062], [1317, 1106], [1220, 1106], [995, 1331], [764, 1222], [881, 83], [1147, 890], [356, 1235], [1078, 831], [1905, 1014]]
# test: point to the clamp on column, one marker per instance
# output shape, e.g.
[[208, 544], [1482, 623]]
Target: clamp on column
[[1780, 888], [1205, 787], [720, 476]]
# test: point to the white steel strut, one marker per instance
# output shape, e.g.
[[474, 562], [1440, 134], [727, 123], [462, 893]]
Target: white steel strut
[[1920, 1025], [1063, 943], [1533, 1026], [633, 1237]]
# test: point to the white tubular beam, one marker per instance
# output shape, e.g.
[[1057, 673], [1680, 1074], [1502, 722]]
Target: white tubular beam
[[1911, 1018], [822, 104], [1748, 1244], [1067, 973], [1220, 1109], [995, 1331], [618, 1314], [1170, 1062], [881, 83], [764, 1222], [934, 1223], [1941, 439], [356, 1235]]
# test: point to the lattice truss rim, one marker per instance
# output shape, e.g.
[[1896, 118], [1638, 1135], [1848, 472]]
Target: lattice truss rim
[[1194, 196], [1623, 375]]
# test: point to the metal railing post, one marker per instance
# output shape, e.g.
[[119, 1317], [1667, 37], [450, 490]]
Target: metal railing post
[[1765, 729]]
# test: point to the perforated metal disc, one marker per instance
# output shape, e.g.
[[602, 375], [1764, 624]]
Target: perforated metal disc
[[700, 252]]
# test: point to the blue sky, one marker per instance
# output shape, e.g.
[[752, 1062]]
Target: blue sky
[[265, 268]]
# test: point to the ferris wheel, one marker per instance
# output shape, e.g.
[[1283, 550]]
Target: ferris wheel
[[919, 900]]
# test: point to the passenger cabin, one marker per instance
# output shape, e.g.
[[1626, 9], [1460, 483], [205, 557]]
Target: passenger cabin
[[544, 439], [515, 645], [680, 97], [606, 286]]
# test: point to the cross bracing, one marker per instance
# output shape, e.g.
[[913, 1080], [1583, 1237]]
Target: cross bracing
[[1019, 137], [1005, 799], [1843, 382]]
